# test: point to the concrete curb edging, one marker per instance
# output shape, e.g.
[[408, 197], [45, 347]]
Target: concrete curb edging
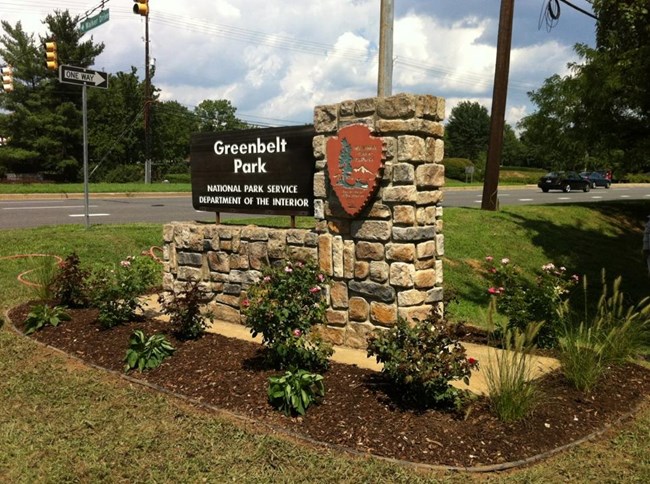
[[273, 430]]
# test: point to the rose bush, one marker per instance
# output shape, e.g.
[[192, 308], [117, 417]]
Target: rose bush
[[523, 300], [284, 306]]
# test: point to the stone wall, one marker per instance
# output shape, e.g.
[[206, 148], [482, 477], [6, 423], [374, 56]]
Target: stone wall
[[384, 263]]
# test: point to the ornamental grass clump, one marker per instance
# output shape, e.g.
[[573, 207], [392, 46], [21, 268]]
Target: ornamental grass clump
[[513, 392], [616, 333], [284, 307], [421, 359], [523, 300]]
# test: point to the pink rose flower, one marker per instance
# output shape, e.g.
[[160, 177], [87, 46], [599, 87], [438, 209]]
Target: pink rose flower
[[489, 258], [315, 289], [297, 333], [245, 303]]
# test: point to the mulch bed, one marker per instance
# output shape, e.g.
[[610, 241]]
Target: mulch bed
[[358, 411]]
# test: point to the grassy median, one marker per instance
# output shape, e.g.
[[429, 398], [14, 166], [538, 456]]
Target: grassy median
[[62, 422]]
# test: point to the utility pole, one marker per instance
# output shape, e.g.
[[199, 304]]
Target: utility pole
[[385, 77], [490, 199], [147, 103], [141, 7]]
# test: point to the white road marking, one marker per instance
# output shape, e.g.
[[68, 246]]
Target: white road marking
[[47, 207], [596, 197], [563, 198], [90, 215], [526, 199], [625, 196]]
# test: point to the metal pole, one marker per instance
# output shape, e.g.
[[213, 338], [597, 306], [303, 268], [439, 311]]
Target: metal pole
[[385, 77], [85, 140], [497, 120]]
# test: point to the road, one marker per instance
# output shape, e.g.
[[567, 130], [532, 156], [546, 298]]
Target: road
[[104, 209]]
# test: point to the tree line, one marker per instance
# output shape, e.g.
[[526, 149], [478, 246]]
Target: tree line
[[41, 118], [595, 117]]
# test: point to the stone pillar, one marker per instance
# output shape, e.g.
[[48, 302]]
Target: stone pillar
[[386, 262]]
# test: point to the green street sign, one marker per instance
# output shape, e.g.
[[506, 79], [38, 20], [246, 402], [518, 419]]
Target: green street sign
[[92, 22]]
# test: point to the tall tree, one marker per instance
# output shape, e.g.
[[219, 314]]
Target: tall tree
[[468, 130], [600, 114], [115, 126], [218, 115], [44, 125]]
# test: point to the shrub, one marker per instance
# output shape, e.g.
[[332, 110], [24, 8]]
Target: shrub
[[283, 307], [421, 360], [613, 335], [294, 392], [512, 391], [42, 315], [184, 312], [146, 353], [116, 290], [124, 174], [455, 167], [178, 177], [70, 283], [524, 301]]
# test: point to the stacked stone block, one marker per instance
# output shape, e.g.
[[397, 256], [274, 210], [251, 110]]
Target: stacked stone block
[[386, 262], [228, 259]]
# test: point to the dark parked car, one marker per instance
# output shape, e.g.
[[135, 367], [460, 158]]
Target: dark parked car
[[596, 179], [563, 180]]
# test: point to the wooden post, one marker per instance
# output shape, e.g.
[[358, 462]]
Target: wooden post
[[490, 199], [218, 221]]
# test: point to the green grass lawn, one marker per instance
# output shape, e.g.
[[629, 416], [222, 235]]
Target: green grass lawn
[[28, 188], [63, 422]]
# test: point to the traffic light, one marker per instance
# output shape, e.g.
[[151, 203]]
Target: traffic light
[[7, 79], [51, 56], [141, 7]]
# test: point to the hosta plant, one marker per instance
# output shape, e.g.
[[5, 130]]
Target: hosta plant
[[145, 352], [43, 315], [294, 392]]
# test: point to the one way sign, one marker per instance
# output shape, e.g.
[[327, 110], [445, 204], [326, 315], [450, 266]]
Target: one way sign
[[83, 77]]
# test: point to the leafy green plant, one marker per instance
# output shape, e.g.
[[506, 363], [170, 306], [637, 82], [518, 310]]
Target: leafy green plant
[[70, 285], [116, 290], [421, 360], [513, 392], [42, 315], [615, 333], [283, 307], [146, 353], [294, 392], [184, 310], [524, 301]]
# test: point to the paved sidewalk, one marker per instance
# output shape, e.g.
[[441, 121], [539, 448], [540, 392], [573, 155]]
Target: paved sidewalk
[[484, 354]]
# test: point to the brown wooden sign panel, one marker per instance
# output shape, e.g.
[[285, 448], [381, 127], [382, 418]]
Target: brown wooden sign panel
[[268, 171], [354, 164]]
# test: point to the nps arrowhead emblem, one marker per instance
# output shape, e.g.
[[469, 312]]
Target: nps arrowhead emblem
[[354, 164]]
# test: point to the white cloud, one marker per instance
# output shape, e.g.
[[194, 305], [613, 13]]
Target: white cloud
[[278, 59]]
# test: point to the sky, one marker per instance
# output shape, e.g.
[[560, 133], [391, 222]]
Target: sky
[[274, 60]]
